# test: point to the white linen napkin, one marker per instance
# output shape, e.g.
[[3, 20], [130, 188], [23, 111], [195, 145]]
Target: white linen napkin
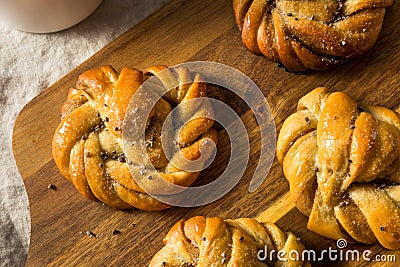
[[29, 63]]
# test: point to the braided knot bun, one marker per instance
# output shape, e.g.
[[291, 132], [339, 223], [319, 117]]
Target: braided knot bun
[[203, 241], [87, 145], [342, 162], [310, 34]]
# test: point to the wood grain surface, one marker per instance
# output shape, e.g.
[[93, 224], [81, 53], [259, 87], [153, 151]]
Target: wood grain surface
[[185, 31]]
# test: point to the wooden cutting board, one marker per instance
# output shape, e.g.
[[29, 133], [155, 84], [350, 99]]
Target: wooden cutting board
[[184, 31]]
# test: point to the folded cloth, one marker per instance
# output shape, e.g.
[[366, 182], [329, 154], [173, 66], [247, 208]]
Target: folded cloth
[[29, 64]]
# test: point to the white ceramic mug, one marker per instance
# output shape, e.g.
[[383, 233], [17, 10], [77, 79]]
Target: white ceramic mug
[[41, 16]]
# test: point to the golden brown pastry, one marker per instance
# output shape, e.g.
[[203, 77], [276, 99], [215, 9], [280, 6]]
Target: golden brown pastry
[[87, 145], [310, 34], [204, 242], [342, 162]]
